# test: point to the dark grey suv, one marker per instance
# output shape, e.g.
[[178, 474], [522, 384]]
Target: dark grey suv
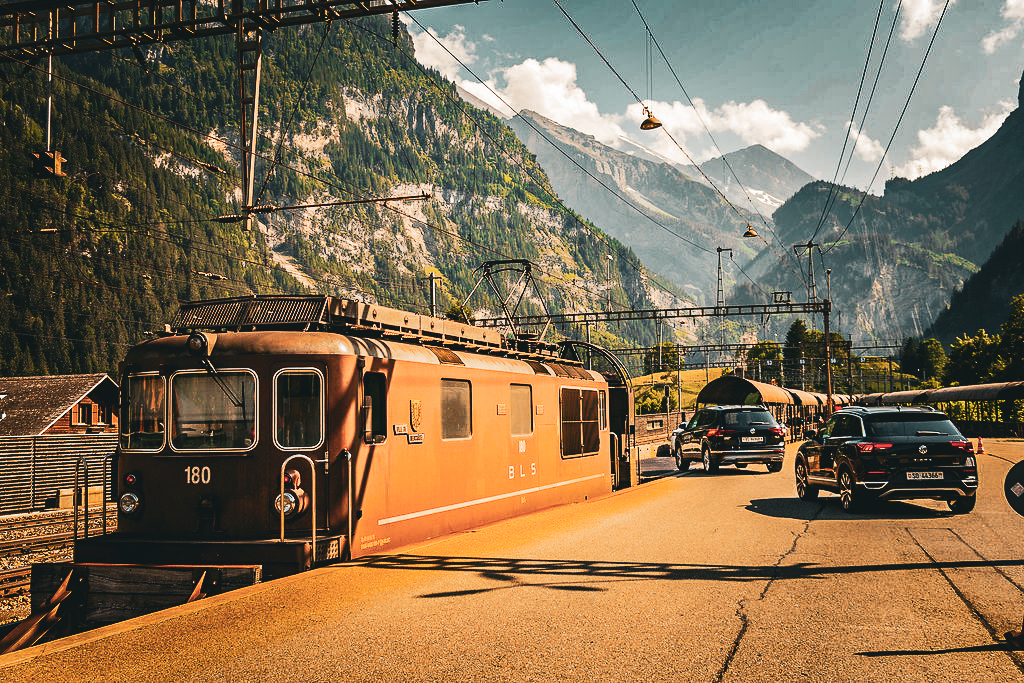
[[730, 435], [888, 453]]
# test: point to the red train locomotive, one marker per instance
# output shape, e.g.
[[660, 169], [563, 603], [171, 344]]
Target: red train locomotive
[[288, 432]]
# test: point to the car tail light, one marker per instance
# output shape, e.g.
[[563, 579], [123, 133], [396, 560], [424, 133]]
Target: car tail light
[[716, 432], [869, 447], [779, 431], [962, 445]]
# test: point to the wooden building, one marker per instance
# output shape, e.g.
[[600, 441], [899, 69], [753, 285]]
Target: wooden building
[[58, 404]]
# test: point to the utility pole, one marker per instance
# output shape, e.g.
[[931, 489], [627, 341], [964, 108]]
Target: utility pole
[[812, 293], [720, 297], [434, 279], [608, 281]]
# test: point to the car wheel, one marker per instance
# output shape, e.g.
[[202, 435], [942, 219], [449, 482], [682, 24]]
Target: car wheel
[[710, 465], [804, 491], [774, 466], [847, 492], [961, 506]]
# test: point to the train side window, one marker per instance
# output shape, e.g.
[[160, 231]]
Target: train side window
[[521, 402], [298, 409], [602, 410], [580, 420], [456, 409], [375, 389], [142, 417]]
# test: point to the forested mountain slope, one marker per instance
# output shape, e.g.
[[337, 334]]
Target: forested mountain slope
[[92, 261], [896, 260]]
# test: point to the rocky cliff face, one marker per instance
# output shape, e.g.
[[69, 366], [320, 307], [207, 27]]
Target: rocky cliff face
[[671, 222], [754, 177], [896, 262]]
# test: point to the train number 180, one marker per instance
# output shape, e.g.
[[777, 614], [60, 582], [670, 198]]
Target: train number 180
[[197, 475]]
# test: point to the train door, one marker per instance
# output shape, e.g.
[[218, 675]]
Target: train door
[[621, 429]]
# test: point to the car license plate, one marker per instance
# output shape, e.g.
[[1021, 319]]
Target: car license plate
[[924, 475], [752, 439]]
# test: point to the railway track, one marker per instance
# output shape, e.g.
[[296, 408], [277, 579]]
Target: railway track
[[14, 582], [26, 544], [26, 523]]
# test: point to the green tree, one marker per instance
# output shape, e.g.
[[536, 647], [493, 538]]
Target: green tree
[[767, 357], [973, 360], [1012, 342], [931, 359], [670, 359], [910, 361]]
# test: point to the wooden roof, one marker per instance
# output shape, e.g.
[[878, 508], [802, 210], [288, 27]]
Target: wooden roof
[[30, 405]]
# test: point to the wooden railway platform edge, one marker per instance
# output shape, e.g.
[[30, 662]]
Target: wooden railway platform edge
[[91, 594]]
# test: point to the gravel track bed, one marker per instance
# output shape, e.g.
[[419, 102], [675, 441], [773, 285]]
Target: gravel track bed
[[19, 607]]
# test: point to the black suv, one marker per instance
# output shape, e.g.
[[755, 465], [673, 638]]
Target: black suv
[[730, 435], [888, 453]]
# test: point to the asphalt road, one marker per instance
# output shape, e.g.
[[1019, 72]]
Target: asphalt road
[[698, 577]]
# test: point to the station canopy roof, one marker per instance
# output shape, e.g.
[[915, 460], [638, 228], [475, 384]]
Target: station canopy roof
[[804, 398]]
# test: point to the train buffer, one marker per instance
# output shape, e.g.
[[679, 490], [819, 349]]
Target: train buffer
[[69, 597]]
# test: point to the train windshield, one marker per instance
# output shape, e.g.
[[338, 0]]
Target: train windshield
[[213, 411], [142, 423]]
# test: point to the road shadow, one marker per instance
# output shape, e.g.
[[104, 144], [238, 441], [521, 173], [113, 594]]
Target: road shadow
[[588, 575], [830, 508], [1002, 646]]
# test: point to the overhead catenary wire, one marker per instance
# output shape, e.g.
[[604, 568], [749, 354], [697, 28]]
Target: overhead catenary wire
[[895, 129], [833, 192], [700, 118]]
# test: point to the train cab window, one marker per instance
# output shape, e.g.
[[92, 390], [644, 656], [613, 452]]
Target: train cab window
[[580, 431], [521, 409], [376, 420], [298, 409], [456, 409], [213, 411], [142, 420]]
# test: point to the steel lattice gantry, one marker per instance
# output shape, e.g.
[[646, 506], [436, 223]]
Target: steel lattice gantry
[[824, 307], [35, 29]]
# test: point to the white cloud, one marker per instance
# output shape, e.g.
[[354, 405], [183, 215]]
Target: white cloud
[[1013, 12], [866, 148], [919, 16], [753, 122], [430, 50], [948, 140], [550, 88]]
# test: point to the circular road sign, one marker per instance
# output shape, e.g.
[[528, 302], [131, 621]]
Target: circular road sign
[[1014, 488]]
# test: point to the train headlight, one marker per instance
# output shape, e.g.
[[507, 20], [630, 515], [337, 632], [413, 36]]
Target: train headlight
[[129, 503], [290, 502]]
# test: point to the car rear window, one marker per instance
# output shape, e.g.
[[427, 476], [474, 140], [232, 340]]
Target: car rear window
[[748, 418], [911, 426]]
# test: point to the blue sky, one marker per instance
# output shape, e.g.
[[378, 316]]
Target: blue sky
[[781, 74]]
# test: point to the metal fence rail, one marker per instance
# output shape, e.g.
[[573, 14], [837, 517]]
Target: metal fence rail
[[34, 469]]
